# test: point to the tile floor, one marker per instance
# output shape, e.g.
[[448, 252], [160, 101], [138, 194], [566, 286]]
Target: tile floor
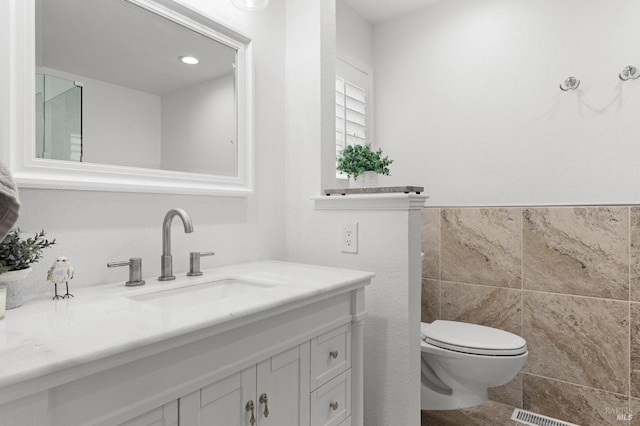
[[490, 413]]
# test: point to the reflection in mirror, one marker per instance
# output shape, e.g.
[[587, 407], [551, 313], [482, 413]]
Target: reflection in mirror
[[58, 118], [138, 105]]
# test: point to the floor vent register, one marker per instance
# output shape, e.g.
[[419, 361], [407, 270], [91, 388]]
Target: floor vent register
[[533, 419]]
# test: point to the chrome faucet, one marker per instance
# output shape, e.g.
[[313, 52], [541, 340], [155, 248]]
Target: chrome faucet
[[166, 265]]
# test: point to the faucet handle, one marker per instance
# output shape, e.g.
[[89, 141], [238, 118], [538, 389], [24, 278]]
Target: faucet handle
[[194, 262], [135, 270]]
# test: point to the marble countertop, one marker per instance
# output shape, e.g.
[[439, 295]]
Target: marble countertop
[[43, 336]]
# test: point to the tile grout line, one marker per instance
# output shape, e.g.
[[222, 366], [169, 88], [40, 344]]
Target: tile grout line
[[544, 292], [522, 296], [439, 263], [522, 271], [629, 309], [574, 384]]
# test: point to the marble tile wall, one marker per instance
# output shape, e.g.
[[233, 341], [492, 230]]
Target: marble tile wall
[[567, 279]]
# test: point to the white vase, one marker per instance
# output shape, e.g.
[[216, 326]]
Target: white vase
[[366, 180], [12, 283]]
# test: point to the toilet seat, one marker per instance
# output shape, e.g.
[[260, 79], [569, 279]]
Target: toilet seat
[[473, 339]]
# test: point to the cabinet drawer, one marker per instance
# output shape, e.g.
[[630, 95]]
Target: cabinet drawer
[[331, 403], [330, 355]]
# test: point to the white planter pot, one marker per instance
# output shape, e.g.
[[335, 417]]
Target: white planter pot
[[365, 180], [12, 282]]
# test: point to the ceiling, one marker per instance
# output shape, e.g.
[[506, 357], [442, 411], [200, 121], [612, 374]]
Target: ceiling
[[377, 11]]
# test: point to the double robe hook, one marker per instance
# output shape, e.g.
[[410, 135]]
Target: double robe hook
[[629, 72]]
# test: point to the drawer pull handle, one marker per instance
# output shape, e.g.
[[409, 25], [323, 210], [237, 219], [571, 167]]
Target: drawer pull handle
[[334, 354], [250, 407], [334, 405], [264, 400]]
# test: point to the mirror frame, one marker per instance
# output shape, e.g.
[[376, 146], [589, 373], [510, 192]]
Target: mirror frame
[[17, 114]]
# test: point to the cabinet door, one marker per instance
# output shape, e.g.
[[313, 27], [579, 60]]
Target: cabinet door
[[283, 388], [166, 415], [222, 403]]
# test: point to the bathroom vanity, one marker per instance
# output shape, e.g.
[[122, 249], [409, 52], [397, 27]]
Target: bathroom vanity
[[265, 343]]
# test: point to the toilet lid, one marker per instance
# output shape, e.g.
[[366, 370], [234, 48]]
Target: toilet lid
[[473, 338]]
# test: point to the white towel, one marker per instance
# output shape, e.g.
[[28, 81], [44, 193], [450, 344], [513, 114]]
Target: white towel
[[9, 202]]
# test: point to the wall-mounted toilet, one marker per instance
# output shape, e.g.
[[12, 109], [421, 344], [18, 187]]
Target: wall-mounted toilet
[[461, 360]]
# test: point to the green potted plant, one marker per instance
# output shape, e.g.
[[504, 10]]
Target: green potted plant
[[17, 254], [361, 160]]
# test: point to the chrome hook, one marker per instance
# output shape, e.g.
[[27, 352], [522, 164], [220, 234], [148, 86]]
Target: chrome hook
[[571, 83], [629, 72]]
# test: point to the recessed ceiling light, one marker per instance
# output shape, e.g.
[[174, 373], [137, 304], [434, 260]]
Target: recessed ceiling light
[[250, 4], [190, 60]]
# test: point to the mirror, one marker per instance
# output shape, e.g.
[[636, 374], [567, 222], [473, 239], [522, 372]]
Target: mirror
[[139, 105], [117, 109]]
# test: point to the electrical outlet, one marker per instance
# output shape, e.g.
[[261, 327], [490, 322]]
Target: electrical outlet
[[349, 237]]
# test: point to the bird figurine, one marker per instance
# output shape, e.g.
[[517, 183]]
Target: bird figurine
[[60, 272]]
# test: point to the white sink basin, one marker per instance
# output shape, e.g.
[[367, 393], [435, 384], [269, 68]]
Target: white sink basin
[[203, 293]]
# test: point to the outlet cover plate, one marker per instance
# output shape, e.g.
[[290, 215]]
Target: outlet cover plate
[[349, 237]]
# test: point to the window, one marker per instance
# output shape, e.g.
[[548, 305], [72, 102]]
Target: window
[[352, 106]]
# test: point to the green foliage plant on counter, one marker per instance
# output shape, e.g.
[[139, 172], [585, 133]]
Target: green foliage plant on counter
[[18, 253], [354, 160]]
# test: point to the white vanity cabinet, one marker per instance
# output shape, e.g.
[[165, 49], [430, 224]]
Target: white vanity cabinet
[[307, 385], [296, 352], [277, 391]]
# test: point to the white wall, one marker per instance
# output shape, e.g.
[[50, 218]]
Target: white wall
[[122, 126], [354, 36], [93, 228], [468, 103], [389, 245], [199, 128], [388, 240]]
